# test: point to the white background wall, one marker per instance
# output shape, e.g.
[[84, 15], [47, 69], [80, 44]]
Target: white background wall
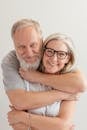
[[67, 16]]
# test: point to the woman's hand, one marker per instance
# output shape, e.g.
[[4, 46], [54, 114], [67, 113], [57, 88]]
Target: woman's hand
[[24, 74], [30, 75]]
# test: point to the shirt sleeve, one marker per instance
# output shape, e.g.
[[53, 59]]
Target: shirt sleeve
[[11, 78]]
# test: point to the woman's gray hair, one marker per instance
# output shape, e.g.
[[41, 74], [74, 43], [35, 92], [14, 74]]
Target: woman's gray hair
[[25, 23], [71, 65]]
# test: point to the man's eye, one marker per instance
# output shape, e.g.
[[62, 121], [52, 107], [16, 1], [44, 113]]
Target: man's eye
[[33, 45], [21, 47]]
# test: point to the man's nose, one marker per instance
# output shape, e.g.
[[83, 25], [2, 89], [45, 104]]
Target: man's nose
[[29, 51]]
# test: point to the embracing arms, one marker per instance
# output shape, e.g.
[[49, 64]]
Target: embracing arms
[[73, 82], [62, 122], [15, 87]]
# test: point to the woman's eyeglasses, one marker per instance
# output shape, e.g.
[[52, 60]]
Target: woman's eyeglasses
[[51, 52]]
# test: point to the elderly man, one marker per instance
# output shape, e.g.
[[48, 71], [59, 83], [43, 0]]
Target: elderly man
[[27, 38]]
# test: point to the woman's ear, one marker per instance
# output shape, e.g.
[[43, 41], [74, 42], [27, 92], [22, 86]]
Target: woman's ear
[[68, 59]]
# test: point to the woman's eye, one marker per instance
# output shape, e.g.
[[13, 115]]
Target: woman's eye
[[50, 51], [61, 54]]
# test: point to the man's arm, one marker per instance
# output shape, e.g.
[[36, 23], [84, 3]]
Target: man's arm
[[37, 122], [73, 82], [24, 100]]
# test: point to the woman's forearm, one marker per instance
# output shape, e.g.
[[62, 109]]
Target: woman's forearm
[[48, 123], [73, 82], [62, 122]]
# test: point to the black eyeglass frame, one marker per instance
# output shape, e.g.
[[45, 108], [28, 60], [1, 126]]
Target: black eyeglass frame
[[57, 52]]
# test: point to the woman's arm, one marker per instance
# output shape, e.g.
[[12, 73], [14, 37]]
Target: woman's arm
[[62, 122], [73, 82], [67, 110]]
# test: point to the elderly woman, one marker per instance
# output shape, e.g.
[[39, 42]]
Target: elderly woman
[[58, 58]]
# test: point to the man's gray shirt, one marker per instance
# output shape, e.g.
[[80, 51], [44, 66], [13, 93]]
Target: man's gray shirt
[[10, 67]]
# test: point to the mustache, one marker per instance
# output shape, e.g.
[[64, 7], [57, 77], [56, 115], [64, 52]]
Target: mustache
[[28, 66]]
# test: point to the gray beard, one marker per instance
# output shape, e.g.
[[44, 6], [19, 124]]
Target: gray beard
[[28, 66]]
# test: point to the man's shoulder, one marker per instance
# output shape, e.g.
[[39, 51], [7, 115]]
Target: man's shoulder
[[10, 59], [11, 56]]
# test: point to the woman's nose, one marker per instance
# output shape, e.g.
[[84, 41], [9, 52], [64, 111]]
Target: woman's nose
[[54, 57]]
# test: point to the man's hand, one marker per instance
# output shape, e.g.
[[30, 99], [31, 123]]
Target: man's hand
[[20, 126], [16, 116]]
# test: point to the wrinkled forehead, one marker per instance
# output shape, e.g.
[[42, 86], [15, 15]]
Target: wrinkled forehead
[[26, 34], [25, 30]]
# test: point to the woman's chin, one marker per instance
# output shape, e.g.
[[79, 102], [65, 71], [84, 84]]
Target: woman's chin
[[50, 71]]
